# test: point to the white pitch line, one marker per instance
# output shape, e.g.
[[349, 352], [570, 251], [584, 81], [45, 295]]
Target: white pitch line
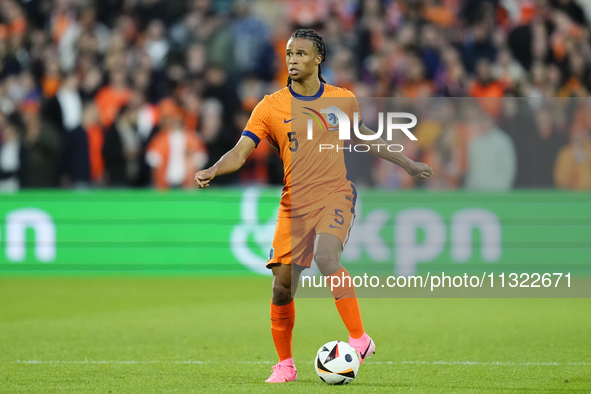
[[485, 363], [507, 363]]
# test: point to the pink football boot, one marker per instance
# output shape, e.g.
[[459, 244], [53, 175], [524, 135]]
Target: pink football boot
[[364, 347], [285, 371]]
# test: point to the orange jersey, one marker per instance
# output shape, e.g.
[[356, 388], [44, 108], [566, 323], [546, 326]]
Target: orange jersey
[[312, 175]]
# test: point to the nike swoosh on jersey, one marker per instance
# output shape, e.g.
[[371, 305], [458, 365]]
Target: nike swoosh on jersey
[[331, 226], [287, 121]]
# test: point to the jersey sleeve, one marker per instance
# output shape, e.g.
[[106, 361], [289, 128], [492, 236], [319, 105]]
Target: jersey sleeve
[[257, 127], [353, 107]]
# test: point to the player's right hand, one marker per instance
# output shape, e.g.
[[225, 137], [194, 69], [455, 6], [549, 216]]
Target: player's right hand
[[203, 177], [420, 170]]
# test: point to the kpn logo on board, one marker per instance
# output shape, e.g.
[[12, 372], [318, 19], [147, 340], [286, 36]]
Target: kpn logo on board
[[18, 223]]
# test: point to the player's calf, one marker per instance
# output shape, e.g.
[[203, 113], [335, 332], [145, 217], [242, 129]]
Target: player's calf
[[281, 293]]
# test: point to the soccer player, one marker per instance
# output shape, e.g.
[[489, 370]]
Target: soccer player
[[317, 205]]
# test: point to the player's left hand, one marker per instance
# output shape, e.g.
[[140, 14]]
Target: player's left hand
[[419, 170]]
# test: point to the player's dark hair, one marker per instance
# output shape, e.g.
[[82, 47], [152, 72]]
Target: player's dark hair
[[311, 35]]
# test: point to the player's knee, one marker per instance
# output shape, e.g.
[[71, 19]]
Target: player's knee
[[328, 263]]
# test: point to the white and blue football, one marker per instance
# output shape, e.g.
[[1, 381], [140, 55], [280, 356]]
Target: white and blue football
[[336, 363]]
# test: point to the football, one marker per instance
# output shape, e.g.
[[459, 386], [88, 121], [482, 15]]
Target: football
[[336, 363]]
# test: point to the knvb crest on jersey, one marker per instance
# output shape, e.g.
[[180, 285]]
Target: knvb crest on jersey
[[333, 120], [330, 124]]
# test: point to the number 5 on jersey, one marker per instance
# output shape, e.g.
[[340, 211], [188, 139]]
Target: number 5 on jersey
[[292, 139], [339, 213]]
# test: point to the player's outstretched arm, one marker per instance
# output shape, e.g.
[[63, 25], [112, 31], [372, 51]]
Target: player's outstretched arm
[[413, 168], [229, 163]]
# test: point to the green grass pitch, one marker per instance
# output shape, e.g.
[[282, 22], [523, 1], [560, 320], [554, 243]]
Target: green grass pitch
[[195, 335]]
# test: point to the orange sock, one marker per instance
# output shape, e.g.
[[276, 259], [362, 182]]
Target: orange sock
[[346, 302], [282, 321]]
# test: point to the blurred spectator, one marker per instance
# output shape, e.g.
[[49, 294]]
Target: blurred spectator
[[430, 43], [475, 11], [507, 71], [121, 149], [13, 158], [517, 121], [96, 140], [478, 45], [573, 165], [85, 34], [90, 84], [309, 13], [43, 143], [112, 97], [442, 143], [452, 77], [175, 154], [488, 90], [253, 53], [217, 136], [417, 84], [219, 87], [537, 137], [196, 59], [485, 84], [572, 9], [578, 70], [440, 12], [545, 146], [149, 10], [51, 79], [125, 143], [66, 108], [491, 155], [75, 159], [156, 45]]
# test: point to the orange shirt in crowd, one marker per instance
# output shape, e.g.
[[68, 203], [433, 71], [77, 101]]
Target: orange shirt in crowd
[[439, 15], [96, 141], [491, 96], [50, 85], [422, 88], [109, 101], [18, 26], [175, 156], [59, 23], [168, 107]]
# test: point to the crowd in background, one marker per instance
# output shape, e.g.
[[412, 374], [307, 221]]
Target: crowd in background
[[142, 93]]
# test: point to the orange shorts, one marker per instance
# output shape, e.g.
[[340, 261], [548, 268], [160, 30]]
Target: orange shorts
[[294, 236]]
